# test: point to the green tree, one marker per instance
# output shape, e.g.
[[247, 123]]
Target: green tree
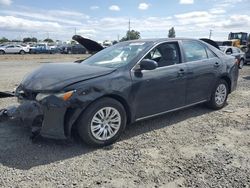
[[34, 39], [3, 39], [171, 33], [28, 39], [131, 35], [48, 40], [16, 40], [73, 42]]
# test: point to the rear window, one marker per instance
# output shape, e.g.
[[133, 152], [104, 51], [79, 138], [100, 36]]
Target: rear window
[[194, 51]]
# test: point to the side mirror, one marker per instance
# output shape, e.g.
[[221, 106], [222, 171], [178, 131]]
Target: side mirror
[[228, 53], [147, 64]]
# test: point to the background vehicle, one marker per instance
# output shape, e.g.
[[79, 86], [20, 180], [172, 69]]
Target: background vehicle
[[236, 52], [240, 39], [124, 83], [13, 49], [43, 48], [248, 53], [72, 49]]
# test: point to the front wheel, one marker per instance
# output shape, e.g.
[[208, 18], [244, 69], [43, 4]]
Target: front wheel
[[219, 95], [102, 122], [2, 52]]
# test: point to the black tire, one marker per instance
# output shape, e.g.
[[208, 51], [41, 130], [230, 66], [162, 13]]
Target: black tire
[[212, 103], [2, 52], [22, 52], [241, 63], [84, 122]]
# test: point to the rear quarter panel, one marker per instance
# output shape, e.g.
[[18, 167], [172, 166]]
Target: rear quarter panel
[[232, 71]]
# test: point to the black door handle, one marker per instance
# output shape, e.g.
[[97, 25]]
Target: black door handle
[[181, 72], [216, 64]]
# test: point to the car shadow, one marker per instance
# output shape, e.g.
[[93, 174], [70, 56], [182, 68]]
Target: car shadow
[[18, 151], [169, 119]]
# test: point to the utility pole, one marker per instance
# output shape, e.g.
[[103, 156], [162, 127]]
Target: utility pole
[[210, 33], [129, 29], [75, 30]]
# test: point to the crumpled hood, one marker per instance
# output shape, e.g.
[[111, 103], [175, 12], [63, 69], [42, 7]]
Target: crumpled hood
[[59, 75]]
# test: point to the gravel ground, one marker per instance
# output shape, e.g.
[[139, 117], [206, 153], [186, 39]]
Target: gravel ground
[[195, 147]]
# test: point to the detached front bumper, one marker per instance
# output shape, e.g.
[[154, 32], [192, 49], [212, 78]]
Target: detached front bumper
[[45, 118]]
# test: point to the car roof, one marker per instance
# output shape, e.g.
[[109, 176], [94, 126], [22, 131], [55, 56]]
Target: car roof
[[160, 39], [227, 46], [94, 46]]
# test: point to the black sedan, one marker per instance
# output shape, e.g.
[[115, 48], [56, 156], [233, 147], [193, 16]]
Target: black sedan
[[122, 84]]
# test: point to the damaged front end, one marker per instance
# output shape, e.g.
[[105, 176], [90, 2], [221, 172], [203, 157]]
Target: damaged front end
[[53, 96], [44, 113]]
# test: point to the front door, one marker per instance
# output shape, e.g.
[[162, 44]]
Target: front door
[[164, 88], [10, 49]]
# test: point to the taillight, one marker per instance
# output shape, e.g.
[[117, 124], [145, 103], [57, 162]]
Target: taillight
[[237, 61]]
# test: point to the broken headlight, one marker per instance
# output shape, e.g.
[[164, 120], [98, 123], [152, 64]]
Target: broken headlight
[[64, 96]]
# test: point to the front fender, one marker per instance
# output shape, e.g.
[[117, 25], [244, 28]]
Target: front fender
[[73, 114]]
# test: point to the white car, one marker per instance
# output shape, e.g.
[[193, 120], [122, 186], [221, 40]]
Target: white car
[[236, 52], [13, 49]]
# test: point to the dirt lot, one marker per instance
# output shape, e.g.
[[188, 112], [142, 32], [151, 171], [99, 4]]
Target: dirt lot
[[195, 147], [41, 58]]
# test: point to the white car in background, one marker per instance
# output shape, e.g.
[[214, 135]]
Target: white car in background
[[236, 52], [13, 49]]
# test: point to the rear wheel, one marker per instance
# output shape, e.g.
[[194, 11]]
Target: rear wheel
[[241, 64], [219, 95], [2, 52], [22, 52], [102, 122]]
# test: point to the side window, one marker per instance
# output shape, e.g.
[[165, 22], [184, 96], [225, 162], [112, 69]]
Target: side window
[[210, 54], [229, 51], [194, 51], [165, 54]]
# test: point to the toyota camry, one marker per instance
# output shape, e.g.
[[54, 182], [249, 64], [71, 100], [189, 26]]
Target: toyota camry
[[122, 84]]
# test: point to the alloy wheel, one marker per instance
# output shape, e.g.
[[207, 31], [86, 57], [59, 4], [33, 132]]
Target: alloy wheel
[[105, 123], [220, 94]]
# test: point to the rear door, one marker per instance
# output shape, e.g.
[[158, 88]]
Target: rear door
[[203, 66], [17, 49]]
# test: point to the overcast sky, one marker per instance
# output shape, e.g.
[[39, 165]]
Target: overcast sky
[[100, 20]]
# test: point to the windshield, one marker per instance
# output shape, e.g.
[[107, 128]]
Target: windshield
[[118, 55]]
